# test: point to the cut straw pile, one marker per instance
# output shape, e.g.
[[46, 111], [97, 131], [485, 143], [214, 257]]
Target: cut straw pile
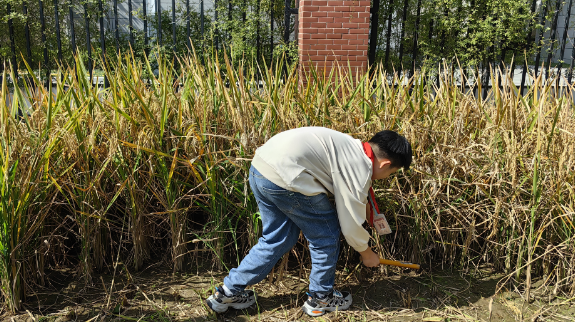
[[155, 168]]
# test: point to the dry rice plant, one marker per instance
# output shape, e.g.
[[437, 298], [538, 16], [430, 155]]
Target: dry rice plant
[[160, 161]]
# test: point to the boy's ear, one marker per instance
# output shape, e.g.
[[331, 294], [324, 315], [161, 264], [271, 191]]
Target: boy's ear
[[384, 162]]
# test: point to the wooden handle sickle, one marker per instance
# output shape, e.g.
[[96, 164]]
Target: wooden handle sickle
[[397, 263]]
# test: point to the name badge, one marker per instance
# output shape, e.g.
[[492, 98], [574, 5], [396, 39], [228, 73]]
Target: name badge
[[379, 221]]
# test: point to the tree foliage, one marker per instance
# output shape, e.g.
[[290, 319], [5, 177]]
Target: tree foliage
[[243, 28], [473, 31]]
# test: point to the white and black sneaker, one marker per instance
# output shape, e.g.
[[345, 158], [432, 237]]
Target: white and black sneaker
[[219, 302], [335, 301]]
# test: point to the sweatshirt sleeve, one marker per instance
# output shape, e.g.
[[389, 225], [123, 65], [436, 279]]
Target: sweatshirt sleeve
[[351, 209]]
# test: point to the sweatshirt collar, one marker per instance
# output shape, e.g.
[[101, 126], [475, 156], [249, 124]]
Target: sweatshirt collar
[[368, 151]]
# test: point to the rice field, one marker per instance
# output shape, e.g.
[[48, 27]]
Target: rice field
[[153, 168]]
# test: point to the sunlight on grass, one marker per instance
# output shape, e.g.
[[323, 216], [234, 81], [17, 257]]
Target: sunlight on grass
[[159, 163]]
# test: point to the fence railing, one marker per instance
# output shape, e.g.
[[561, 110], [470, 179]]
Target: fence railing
[[413, 34], [405, 35], [108, 26]]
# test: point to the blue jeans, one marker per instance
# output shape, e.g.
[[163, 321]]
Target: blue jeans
[[284, 213]]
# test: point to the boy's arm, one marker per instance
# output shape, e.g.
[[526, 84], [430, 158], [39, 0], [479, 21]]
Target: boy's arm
[[355, 235], [351, 213], [351, 182]]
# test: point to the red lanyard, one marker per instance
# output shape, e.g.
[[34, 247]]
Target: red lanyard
[[375, 209]]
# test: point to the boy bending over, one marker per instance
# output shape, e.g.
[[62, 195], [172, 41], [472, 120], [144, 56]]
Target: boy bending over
[[291, 177]]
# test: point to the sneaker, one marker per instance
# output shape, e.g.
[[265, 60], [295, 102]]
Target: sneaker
[[219, 302], [336, 301]]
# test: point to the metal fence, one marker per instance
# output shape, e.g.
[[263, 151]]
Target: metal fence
[[398, 30], [115, 24]]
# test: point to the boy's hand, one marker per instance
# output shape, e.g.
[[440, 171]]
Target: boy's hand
[[369, 258]]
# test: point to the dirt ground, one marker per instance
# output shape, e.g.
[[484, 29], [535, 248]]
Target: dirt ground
[[381, 294]]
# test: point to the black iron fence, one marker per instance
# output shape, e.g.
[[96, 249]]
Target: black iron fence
[[527, 36], [54, 32]]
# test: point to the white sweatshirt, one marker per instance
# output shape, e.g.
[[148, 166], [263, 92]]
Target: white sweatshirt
[[314, 160]]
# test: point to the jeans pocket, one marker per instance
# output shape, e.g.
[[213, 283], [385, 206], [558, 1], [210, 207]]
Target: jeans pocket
[[321, 203], [269, 187], [256, 174]]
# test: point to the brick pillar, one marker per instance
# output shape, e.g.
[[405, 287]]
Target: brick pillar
[[331, 31]]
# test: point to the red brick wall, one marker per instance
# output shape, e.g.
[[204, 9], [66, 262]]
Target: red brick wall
[[331, 31]]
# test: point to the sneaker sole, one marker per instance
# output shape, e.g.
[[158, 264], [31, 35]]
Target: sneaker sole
[[218, 308], [319, 312], [242, 306], [222, 308]]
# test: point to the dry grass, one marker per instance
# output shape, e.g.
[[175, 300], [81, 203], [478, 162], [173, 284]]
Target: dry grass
[[95, 176], [156, 294]]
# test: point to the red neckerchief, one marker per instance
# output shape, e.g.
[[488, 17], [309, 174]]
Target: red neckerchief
[[369, 152]]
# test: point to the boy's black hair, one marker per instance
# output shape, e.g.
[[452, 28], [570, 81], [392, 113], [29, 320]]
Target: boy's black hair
[[394, 147]]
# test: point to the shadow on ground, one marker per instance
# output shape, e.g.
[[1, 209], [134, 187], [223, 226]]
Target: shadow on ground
[[382, 294]]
